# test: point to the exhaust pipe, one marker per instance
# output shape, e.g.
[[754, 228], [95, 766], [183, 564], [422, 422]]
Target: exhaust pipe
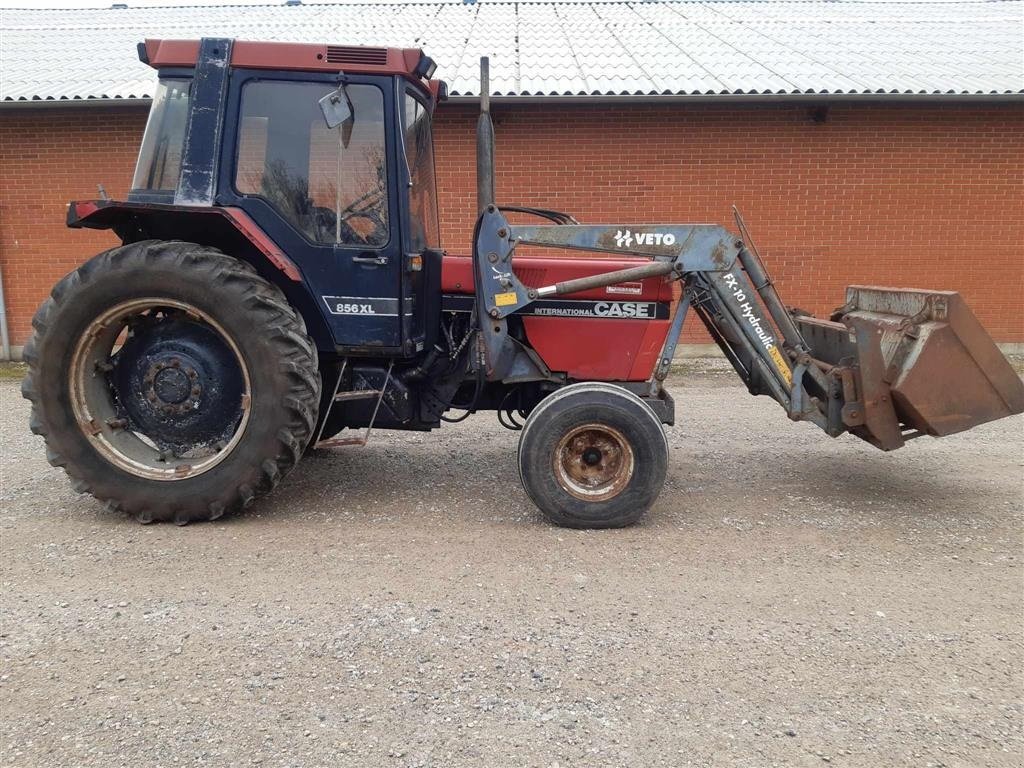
[[484, 141]]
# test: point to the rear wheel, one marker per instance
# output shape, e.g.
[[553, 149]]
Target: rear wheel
[[171, 381], [593, 455]]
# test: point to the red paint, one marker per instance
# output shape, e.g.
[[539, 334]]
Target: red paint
[[649, 350], [83, 208], [259, 238], [99, 214], [301, 57], [535, 271], [597, 349], [589, 348]]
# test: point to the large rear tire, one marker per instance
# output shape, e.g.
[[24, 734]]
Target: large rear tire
[[593, 455], [171, 381]]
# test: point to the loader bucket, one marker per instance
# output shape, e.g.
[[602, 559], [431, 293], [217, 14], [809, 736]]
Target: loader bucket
[[926, 365]]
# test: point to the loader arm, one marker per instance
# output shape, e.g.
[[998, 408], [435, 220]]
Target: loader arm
[[871, 370]]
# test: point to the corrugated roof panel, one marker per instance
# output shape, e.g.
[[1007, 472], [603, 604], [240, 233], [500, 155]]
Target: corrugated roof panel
[[561, 49]]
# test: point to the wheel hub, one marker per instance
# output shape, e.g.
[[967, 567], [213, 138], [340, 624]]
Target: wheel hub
[[178, 383], [594, 462], [172, 387]]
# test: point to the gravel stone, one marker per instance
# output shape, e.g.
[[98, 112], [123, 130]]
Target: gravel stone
[[790, 600]]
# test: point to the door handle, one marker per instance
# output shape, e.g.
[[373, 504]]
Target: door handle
[[377, 261]]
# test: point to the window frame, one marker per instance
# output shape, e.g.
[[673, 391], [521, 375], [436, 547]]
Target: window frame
[[144, 194], [424, 101], [229, 171]]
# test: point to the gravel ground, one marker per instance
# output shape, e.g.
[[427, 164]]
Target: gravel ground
[[790, 600]]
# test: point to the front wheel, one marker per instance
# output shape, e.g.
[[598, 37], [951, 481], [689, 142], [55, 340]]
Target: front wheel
[[593, 455], [171, 381]]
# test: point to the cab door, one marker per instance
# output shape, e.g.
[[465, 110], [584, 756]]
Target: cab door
[[326, 196]]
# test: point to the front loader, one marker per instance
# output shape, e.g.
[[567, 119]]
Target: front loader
[[280, 287]]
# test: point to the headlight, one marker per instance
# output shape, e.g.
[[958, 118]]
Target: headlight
[[426, 67]]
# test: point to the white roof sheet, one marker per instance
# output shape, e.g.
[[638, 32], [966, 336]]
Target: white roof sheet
[[559, 49]]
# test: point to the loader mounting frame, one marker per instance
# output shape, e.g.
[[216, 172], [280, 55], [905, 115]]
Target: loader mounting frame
[[845, 380]]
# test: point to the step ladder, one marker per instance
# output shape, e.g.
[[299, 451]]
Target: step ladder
[[358, 394]]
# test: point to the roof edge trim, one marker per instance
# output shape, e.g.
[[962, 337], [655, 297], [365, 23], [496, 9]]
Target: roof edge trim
[[730, 98]]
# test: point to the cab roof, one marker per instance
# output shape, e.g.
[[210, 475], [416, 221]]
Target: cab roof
[[410, 63]]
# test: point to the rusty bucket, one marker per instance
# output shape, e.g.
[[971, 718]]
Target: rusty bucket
[[922, 364]]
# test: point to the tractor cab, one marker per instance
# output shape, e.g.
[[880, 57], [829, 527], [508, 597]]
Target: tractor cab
[[327, 150]]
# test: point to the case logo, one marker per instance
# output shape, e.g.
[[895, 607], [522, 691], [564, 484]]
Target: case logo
[[624, 309]]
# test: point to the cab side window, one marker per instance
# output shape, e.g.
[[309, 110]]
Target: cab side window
[[419, 149]]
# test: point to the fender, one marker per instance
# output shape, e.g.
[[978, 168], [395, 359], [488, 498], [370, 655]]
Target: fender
[[227, 228]]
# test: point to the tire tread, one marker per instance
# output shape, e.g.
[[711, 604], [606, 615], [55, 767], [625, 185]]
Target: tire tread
[[270, 311]]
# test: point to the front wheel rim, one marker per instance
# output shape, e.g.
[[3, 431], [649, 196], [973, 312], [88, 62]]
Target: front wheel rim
[[171, 385], [594, 462]]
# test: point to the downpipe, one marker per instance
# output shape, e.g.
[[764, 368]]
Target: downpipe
[[5, 338]]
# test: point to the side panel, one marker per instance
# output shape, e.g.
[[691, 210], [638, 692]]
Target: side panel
[[613, 333], [597, 348]]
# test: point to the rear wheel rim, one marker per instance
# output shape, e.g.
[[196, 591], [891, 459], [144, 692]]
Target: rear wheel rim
[[149, 379], [594, 462]]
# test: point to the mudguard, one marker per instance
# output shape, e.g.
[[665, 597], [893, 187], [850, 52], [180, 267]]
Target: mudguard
[[227, 228]]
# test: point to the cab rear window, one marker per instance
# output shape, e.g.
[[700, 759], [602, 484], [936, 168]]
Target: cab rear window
[[159, 163]]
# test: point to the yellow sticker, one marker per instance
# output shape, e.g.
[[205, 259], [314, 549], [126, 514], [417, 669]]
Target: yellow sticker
[[780, 364], [506, 299]]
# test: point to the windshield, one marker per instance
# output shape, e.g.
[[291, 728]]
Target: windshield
[[160, 156], [419, 148]]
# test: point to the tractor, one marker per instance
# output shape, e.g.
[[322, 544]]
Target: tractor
[[280, 287]]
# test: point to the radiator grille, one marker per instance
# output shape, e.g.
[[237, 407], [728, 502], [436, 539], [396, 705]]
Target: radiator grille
[[344, 54]]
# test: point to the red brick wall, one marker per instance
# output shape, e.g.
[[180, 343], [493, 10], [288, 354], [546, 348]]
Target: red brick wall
[[47, 157], [928, 196]]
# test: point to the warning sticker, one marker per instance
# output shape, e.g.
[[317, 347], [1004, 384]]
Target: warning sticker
[[780, 364], [506, 299]]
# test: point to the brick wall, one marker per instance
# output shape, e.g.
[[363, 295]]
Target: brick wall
[[927, 196]]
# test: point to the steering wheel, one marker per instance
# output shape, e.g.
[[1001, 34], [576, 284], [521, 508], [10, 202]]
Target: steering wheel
[[377, 235], [324, 220]]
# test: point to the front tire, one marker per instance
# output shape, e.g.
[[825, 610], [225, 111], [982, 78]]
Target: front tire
[[593, 455], [171, 381]]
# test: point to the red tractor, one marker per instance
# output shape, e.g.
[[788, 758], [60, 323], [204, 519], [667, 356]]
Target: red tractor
[[281, 286]]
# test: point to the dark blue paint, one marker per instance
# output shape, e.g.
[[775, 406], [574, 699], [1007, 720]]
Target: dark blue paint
[[329, 269]]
